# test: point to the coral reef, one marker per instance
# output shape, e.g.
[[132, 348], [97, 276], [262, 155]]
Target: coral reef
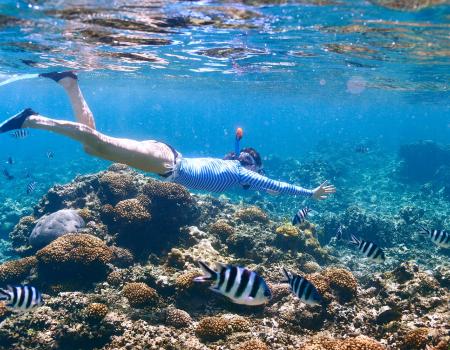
[[15, 271], [126, 280], [139, 294], [74, 257], [252, 214]]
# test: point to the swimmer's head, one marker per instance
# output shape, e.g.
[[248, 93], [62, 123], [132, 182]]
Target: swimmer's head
[[250, 159]]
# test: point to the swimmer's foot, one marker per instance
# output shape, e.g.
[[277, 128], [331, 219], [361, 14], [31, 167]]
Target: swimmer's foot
[[16, 121], [57, 76]]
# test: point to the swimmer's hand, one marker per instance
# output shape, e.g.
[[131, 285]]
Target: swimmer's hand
[[322, 192]]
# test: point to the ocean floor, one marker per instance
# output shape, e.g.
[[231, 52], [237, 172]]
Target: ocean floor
[[124, 279]]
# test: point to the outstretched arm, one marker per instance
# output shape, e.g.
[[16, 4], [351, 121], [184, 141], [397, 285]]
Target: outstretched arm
[[255, 181]]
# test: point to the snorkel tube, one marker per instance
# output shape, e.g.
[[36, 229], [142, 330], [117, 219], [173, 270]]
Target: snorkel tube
[[239, 135]]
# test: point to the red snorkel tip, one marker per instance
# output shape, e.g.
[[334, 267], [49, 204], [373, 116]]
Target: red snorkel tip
[[239, 133]]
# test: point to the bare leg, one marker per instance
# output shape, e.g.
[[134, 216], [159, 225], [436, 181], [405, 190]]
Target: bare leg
[[80, 108], [151, 156]]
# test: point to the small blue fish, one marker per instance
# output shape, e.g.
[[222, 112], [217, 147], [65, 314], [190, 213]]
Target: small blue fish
[[239, 284], [21, 297], [302, 288], [31, 187], [301, 216], [20, 134]]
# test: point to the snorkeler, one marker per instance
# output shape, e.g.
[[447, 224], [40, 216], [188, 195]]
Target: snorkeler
[[242, 169]]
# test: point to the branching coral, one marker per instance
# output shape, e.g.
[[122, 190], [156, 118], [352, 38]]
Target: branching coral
[[287, 230], [252, 214], [140, 294], [178, 318], [95, 312], [342, 282], [221, 229], [19, 235], [415, 339], [74, 256], [213, 328], [253, 344], [117, 186], [16, 270], [358, 343]]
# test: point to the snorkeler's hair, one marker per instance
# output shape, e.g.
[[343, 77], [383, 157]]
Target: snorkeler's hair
[[255, 155], [230, 156]]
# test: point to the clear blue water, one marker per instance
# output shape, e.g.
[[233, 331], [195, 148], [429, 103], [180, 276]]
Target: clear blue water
[[293, 75]]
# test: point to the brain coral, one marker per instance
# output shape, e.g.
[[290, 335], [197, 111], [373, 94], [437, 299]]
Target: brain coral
[[16, 270], [74, 256], [52, 226], [117, 186], [139, 294]]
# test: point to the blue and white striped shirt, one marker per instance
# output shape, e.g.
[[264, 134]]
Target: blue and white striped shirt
[[217, 175]]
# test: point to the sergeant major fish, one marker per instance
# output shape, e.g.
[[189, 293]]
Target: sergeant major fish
[[301, 216], [302, 288], [20, 134], [21, 297], [31, 187], [369, 249], [439, 237], [239, 284]]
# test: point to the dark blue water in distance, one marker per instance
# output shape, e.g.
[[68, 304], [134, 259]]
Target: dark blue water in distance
[[295, 75]]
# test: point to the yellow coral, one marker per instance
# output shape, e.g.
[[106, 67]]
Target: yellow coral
[[252, 214], [253, 344], [139, 294], [288, 230], [213, 328], [115, 278], [16, 270]]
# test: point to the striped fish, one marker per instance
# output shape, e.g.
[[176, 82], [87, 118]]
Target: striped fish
[[22, 297], [301, 216], [239, 284], [31, 187], [20, 133], [339, 233], [439, 237], [302, 288], [50, 155], [369, 249]]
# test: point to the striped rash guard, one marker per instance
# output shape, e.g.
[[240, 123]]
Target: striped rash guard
[[217, 175]]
